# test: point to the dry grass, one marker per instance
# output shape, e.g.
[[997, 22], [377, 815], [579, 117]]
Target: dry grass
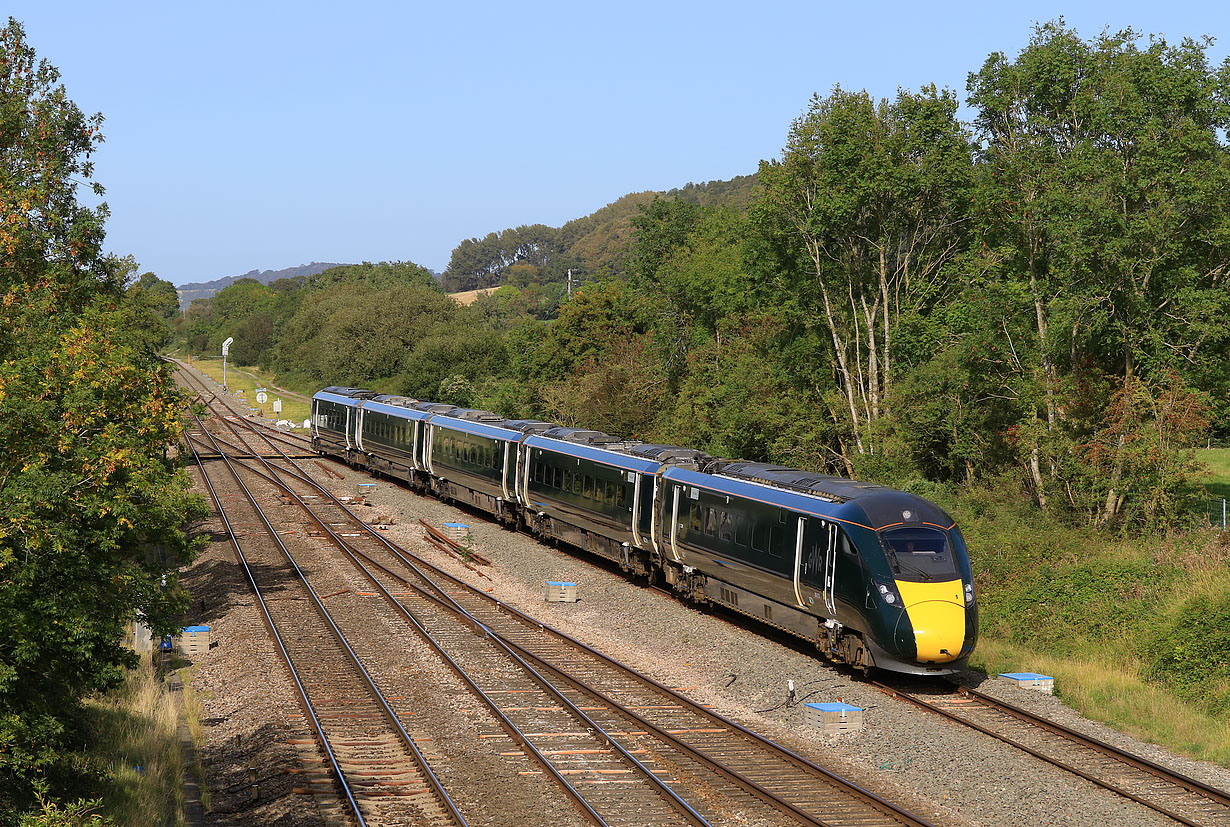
[[1110, 690], [136, 746]]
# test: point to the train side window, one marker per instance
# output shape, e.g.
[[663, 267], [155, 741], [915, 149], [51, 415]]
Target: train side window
[[621, 495], [538, 472], [843, 542], [588, 491], [559, 478], [710, 522], [576, 483], [610, 493], [760, 537], [567, 480], [696, 521], [726, 528], [741, 531]]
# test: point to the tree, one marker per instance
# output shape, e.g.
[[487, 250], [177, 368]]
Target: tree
[[92, 513], [1103, 193], [875, 195]]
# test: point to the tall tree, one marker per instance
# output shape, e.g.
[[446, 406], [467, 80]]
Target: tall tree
[[1103, 193], [91, 511], [875, 196]]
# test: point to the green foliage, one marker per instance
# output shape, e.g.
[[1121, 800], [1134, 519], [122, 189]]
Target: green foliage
[[1192, 652], [93, 514]]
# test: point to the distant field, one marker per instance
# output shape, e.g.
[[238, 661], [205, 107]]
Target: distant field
[[1218, 480], [295, 407]]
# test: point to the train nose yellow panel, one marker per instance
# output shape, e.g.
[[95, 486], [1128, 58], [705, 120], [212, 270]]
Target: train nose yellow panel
[[937, 613]]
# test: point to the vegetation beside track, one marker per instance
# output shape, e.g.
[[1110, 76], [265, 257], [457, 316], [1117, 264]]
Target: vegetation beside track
[[247, 379]]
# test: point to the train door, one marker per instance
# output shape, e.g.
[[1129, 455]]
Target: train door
[[816, 562]]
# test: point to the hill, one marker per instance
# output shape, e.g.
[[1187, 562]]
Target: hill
[[205, 289]]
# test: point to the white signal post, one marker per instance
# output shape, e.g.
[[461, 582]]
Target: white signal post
[[261, 399], [226, 348]]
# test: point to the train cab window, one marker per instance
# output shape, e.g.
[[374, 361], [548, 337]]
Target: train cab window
[[696, 520], [726, 528], [919, 553], [710, 522], [760, 537]]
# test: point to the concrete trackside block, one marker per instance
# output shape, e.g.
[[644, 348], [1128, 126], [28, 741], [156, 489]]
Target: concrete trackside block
[[559, 591], [1031, 680], [833, 718]]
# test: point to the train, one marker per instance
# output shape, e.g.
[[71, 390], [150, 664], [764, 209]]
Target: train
[[872, 576]]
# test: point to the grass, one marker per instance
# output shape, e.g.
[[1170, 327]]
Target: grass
[[193, 712], [246, 379], [1217, 481], [135, 751], [1109, 688]]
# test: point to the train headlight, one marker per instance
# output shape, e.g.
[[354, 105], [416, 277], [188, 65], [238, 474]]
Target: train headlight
[[969, 594], [888, 594]]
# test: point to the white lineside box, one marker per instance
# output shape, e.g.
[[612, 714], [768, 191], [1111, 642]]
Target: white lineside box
[[833, 718], [559, 591], [192, 640], [1031, 680], [457, 532]]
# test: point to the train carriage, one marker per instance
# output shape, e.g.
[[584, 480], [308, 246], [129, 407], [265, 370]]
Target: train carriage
[[873, 576]]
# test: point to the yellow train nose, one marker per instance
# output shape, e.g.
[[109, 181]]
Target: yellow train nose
[[937, 613]]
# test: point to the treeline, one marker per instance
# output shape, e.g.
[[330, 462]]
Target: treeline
[[1036, 299], [93, 512]]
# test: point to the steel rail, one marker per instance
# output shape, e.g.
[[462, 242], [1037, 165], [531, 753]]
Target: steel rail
[[407, 740], [1083, 740], [446, 602], [752, 787], [339, 776]]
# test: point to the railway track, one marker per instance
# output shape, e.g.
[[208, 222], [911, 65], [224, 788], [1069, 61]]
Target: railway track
[[368, 753], [627, 749], [1185, 800]]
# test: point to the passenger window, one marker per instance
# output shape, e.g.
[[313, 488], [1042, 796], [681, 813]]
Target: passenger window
[[741, 531], [726, 529], [559, 478], [621, 495], [567, 480], [760, 537], [576, 483], [696, 521], [609, 488], [588, 492], [710, 521], [777, 536]]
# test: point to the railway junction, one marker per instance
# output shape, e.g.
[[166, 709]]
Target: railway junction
[[411, 681]]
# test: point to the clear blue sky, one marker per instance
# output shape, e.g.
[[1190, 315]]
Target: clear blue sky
[[269, 134]]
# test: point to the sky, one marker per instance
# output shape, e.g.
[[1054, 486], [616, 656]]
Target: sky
[[267, 134]]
